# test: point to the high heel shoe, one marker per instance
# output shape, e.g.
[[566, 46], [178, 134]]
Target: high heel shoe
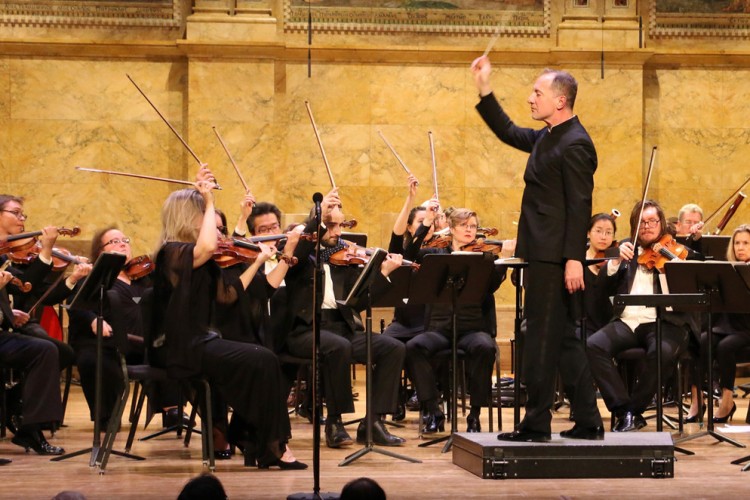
[[36, 441], [433, 422], [698, 417], [296, 465], [724, 419]]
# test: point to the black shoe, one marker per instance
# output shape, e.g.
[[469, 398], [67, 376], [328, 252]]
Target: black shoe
[[629, 421], [472, 424], [433, 422], [35, 441], [336, 435], [223, 454], [5, 461], [525, 437], [380, 434], [400, 413], [296, 465], [171, 418], [305, 412], [695, 418], [726, 418], [577, 432], [412, 404]]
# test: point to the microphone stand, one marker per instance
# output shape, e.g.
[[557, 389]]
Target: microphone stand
[[318, 287]]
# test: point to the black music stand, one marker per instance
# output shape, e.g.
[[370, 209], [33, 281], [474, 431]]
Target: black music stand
[[362, 290], [725, 291], [517, 265], [659, 302], [91, 297], [457, 279]]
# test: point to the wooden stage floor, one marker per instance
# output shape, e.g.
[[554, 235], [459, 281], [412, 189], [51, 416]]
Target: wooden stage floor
[[169, 465]]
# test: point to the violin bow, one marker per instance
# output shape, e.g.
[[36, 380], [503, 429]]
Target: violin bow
[[137, 176], [634, 231], [174, 130], [434, 164], [398, 158], [320, 144], [231, 160]]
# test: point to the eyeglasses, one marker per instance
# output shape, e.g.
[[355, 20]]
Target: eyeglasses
[[650, 223], [117, 241], [268, 229], [599, 232], [19, 215], [222, 229], [470, 227]]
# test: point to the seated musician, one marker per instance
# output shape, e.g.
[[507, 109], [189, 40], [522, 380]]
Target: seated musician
[[38, 359], [412, 227], [731, 335], [341, 332], [12, 222], [187, 286], [635, 326], [597, 303], [690, 224], [123, 312], [475, 336]]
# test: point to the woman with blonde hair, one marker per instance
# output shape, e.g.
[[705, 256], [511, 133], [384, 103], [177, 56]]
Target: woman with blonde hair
[[187, 286]]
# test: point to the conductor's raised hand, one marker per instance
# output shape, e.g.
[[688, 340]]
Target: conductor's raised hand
[[481, 70]]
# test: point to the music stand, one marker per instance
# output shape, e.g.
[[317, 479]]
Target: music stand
[[725, 291], [714, 247], [362, 291], [460, 278], [91, 297]]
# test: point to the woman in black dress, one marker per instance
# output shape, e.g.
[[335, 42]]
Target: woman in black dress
[[187, 286]]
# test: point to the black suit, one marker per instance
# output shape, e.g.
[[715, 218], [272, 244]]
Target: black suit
[[341, 339], [555, 213]]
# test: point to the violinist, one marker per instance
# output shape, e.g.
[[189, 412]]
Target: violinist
[[341, 331], [247, 319], [635, 326], [12, 222], [412, 227], [476, 328], [122, 334], [731, 335], [187, 286]]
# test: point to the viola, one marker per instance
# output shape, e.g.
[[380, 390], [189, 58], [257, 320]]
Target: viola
[[668, 249], [61, 258], [232, 251], [138, 267], [26, 241], [355, 255]]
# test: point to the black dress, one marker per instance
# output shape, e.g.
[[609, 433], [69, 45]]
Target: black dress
[[248, 376]]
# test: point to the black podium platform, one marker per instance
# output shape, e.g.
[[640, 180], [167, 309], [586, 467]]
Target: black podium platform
[[619, 455]]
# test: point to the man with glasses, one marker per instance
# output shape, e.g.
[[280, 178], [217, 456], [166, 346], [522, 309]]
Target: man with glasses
[[635, 326]]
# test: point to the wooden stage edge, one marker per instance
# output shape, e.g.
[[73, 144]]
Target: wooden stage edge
[[168, 465]]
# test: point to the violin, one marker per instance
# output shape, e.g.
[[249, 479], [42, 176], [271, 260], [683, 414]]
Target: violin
[[138, 267], [484, 245], [26, 241], [24, 287], [232, 251], [61, 258], [444, 240], [602, 254], [355, 255], [668, 250]]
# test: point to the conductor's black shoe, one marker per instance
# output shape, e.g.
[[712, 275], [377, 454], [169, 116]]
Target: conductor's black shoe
[[578, 432], [336, 435], [380, 434], [472, 424], [525, 437], [629, 421], [34, 440]]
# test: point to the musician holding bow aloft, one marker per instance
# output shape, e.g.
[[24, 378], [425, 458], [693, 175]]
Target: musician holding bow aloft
[[635, 326], [342, 336]]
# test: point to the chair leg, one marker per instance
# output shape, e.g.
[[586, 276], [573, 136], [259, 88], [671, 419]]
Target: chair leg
[[189, 431], [66, 392], [208, 424], [136, 415]]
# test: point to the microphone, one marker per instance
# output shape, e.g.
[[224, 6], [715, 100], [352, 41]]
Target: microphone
[[317, 198]]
